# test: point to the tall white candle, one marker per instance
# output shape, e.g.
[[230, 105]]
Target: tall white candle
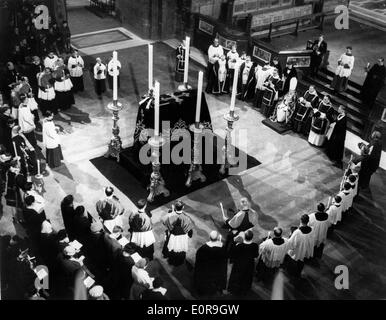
[[187, 50], [14, 147], [115, 76], [38, 162], [199, 96], [156, 108], [150, 66], [234, 88]]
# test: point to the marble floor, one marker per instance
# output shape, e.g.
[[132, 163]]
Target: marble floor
[[291, 180]]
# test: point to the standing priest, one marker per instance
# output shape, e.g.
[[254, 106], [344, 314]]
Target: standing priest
[[215, 51], [210, 270], [179, 230], [374, 82]]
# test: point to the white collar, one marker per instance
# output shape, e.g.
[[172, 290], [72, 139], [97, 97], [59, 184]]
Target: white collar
[[214, 244], [161, 290], [247, 242]]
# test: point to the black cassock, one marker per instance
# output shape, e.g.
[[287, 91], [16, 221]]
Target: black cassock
[[335, 145], [373, 84], [241, 277], [246, 91], [210, 271]]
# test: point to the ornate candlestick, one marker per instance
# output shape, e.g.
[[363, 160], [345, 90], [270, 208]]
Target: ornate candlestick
[[157, 183], [230, 117], [115, 145], [195, 170]]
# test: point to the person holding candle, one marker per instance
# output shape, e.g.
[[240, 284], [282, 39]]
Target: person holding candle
[[23, 149], [110, 73], [51, 141], [99, 77], [215, 51]]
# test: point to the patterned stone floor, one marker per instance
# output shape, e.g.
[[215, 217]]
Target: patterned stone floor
[[293, 177]]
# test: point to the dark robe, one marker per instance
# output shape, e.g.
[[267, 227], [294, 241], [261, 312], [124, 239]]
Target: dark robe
[[267, 105], [246, 92], [5, 132], [81, 226], [121, 279], [374, 82], [33, 223], [210, 270], [317, 58], [302, 117], [370, 164], [288, 75], [149, 294], [241, 277], [68, 214], [335, 145]]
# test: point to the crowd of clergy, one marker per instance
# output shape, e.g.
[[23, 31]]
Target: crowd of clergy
[[110, 254]]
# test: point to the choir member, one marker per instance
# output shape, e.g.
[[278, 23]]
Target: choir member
[[82, 222], [301, 244], [303, 113], [335, 142], [157, 292], [319, 49], [319, 222], [51, 141], [109, 208], [100, 77], [210, 269], [375, 79], [345, 194], [321, 119], [233, 62], [288, 73], [343, 71], [50, 60], [261, 76], [335, 210], [272, 252], [179, 229], [180, 62], [39, 200], [222, 79], [111, 246], [215, 51], [247, 82], [141, 229], [243, 256], [63, 86], [110, 73], [271, 93], [46, 93], [75, 66], [6, 122]]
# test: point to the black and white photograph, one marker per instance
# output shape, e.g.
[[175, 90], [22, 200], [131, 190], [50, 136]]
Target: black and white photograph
[[206, 153]]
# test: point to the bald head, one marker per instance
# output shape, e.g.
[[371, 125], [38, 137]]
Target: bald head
[[213, 235]]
